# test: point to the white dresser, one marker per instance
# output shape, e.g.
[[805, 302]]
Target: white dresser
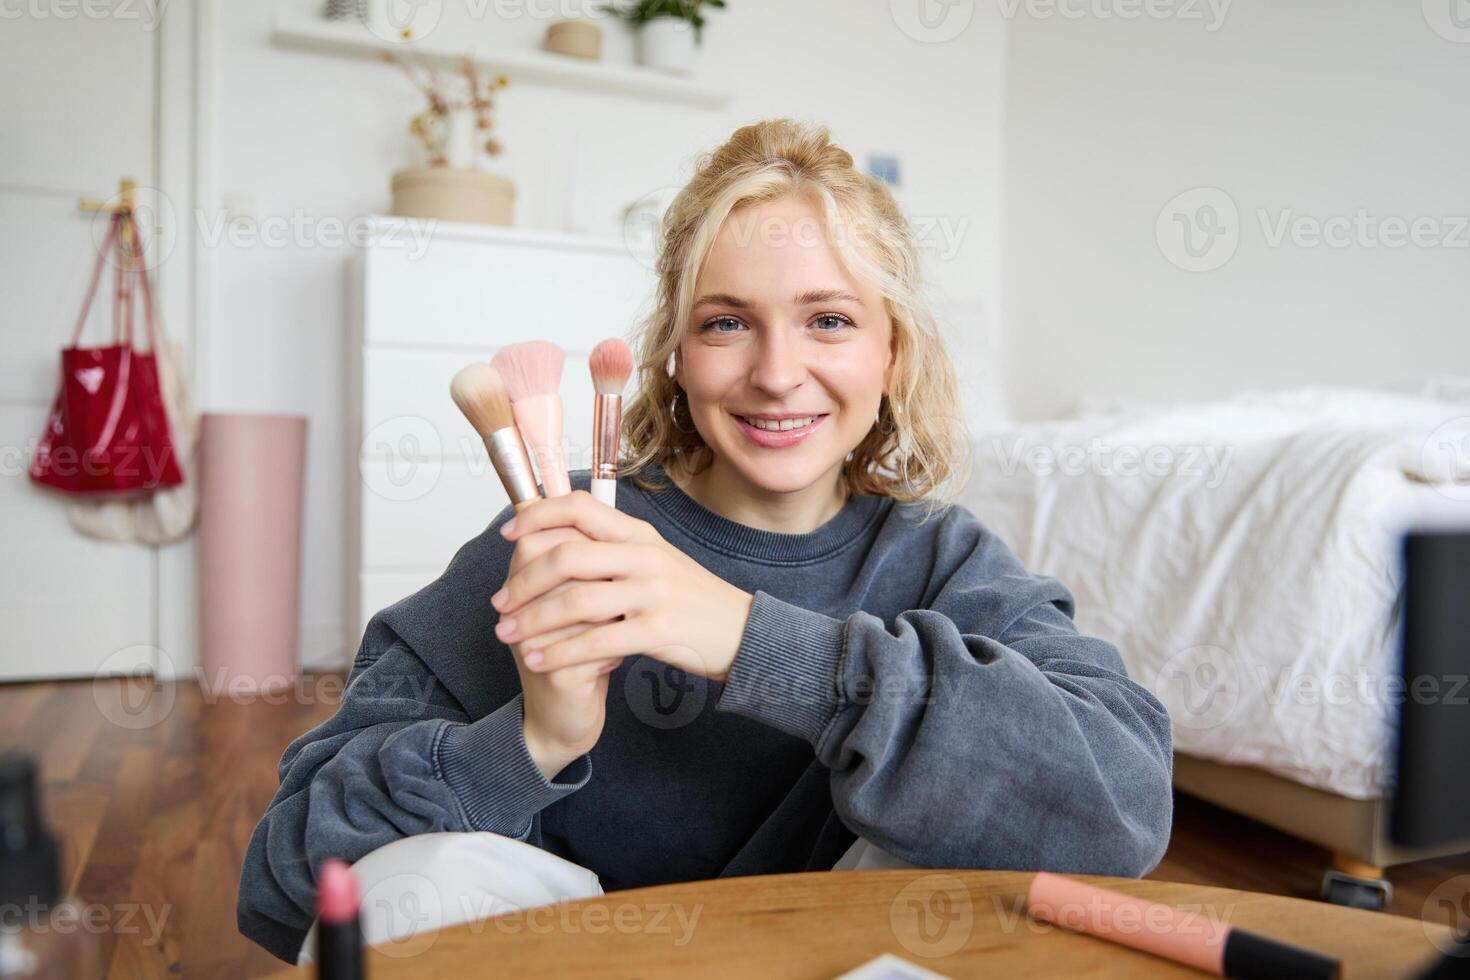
[[425, 302]]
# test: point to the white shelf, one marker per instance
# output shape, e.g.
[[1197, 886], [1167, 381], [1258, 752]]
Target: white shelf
[[301, 30]]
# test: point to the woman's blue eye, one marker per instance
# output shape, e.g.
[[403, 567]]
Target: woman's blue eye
[[723, 324], [831, 321]]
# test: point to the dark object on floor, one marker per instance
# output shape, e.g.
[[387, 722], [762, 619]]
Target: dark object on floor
[[1432, 799]]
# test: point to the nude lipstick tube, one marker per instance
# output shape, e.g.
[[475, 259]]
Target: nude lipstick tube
[[1162, 930]]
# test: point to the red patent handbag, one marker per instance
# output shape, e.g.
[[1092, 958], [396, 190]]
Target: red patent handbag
[[108, 431]]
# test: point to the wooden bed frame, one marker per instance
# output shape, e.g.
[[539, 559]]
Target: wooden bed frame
[[1355, 831]]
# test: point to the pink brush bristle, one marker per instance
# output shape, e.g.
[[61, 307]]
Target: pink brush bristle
[[611, 365], [530, 369]]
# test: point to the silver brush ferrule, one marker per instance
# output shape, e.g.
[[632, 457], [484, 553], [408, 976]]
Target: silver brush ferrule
[[508, 455]]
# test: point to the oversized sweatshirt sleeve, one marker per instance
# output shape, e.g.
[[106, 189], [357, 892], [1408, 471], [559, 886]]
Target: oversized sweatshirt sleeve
[[399, 757], [981, 731]]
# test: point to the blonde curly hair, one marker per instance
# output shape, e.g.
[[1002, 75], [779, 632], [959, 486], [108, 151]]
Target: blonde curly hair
[[915, 448]]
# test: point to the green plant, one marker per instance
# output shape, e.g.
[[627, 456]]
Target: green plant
[[641, 12]]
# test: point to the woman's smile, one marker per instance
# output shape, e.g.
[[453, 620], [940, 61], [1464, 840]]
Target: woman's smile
[[778, 431]]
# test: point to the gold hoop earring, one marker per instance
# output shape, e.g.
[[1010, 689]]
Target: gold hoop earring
[[887, 413], [683, 397]]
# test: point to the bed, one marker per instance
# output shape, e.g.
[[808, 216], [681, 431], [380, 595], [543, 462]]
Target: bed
[[1243, 556]]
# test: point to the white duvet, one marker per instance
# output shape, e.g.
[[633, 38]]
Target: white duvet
[[1242, 555]]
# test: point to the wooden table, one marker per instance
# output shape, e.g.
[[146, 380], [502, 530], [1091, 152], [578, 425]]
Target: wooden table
[[822, 924]]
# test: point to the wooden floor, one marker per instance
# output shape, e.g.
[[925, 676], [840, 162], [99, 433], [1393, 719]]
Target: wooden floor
[[155, 791]]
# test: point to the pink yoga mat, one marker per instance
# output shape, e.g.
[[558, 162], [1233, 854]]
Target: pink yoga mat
[[251, 475]]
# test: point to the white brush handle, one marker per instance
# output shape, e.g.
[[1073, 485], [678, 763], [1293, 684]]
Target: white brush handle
[[606, 491]]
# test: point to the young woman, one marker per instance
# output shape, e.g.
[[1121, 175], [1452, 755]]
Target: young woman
[[782, 640]]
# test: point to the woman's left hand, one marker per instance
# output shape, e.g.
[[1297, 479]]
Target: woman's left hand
[[671, 607]]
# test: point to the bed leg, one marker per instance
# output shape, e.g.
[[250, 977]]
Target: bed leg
[[1356, 883]]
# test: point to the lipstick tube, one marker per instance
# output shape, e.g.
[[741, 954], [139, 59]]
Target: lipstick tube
[[1162, 930]]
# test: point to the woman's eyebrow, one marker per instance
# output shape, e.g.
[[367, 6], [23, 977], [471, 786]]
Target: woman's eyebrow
[[722, 299], [809, 298], [814, 296]]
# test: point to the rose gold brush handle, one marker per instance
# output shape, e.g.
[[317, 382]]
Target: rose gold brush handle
[[607, 419]]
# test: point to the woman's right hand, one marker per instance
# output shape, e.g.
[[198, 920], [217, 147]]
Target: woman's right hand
[[564, 709]]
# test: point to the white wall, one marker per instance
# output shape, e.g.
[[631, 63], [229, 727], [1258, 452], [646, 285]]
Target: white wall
[[316, 135], [68, 605], [1312, 108]]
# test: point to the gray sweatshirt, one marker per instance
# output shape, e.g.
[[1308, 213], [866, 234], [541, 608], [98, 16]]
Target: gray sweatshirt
[[901, 679]]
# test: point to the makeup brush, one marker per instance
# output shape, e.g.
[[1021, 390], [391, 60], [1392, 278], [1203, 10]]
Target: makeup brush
[[480, 395], [611, 363], [532, 374]]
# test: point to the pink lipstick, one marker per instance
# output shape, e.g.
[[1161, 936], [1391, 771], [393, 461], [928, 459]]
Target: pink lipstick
[[339, 925]]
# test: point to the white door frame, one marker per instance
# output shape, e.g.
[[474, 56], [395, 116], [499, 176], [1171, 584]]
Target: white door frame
[[185, 114]]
